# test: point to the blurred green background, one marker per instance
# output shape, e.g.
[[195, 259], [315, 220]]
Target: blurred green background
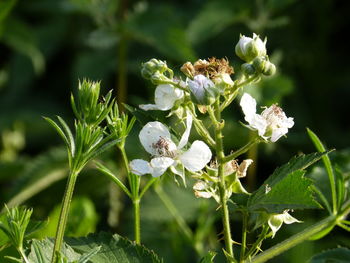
[[46, 46]]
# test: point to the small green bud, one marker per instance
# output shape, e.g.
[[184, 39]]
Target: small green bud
[[264, 66], [203, 90], [259, 64], [248, 69], [270, 69], [249, 48], [152, 66]]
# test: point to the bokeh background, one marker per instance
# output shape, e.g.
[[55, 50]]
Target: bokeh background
[[46, 46]]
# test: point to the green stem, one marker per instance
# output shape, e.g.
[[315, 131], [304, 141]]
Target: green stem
[[174, 212], [134, 183], [23, 255], [235, 88], [242, 150], [294, 240], [244, 235], [67, 198], [137, 225], [222, 185], [258, 241], [201, 129]]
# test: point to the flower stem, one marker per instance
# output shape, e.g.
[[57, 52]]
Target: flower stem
[[67, 198], [222, 186], [240, 151], [244, 235], [137, 225], [134, 183]]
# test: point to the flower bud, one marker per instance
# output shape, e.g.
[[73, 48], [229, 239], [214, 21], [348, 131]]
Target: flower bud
[[223, 81], [249, 48], [152, 66], [270, 69], [203, 90], [248, 69], [264, 66]]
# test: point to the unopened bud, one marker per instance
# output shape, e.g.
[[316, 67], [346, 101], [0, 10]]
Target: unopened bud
[[152, 66], [203, 90], [223, 81], [270, 69], [188, 69], [249, 48], [248, 69]]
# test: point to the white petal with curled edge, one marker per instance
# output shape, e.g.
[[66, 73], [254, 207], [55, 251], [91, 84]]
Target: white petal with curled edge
[[275, 222], [248, 105], [166, 95], [288, 219], [184, 138], [160, 165], [196, 157], [150, 135], [140, 167], [243, 167]]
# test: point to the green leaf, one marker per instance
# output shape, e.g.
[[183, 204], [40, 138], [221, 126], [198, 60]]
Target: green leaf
[[286, 179], [337, 255], [41, 251], [292, 192], [114, 248]]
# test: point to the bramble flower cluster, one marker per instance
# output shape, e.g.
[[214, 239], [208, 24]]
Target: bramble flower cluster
[[208, 87]]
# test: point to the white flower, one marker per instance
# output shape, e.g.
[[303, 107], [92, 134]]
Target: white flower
[[155, 138], [165, 97], [201, 190], [275, 221], [271, 124], [249, 48]]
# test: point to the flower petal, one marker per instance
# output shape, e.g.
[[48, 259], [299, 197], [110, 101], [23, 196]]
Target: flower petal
[[150, 135], [248, 105], [278, 133], [166, 95], [288, 219], [140, 167], [160, 165], [275, 222], [196, 157], [184, 138]]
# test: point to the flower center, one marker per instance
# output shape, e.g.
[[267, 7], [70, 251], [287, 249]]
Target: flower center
[[164, 147], [273, 115]]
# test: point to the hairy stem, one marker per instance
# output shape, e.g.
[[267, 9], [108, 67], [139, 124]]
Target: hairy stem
[[137, 219], [244, 235], [240, 151], [67, 198]]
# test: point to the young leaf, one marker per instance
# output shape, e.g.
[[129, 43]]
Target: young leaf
[[114, 248], [338, 255], [208, 258], [263, 199]]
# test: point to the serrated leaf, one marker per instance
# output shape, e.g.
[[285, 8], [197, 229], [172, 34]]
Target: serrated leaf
[[285, 175], [337, 255], [114, 248], [292, 192]]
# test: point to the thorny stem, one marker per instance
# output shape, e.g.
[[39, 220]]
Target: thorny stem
[[67, 198], [137, 225], [222, 186], [258, 242]]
